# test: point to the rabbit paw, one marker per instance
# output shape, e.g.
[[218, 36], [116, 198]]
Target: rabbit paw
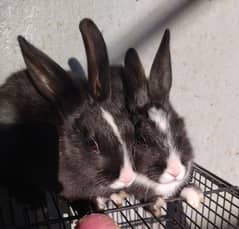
[[74, 224], [193, 195], [101, 203], [118, 198], [123, 194], [156, 207]]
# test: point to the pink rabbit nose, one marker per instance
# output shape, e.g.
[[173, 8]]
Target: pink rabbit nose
[[127, 176], [174, 170]]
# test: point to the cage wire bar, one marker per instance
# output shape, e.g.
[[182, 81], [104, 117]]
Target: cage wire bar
[[219, 210]]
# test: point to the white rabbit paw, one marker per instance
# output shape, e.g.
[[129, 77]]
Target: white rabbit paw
[[193, 195], [118, 198], [157, 206], [101, 202]]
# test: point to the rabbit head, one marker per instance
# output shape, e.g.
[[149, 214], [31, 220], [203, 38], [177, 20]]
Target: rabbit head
[[95, 136], [163, 153]]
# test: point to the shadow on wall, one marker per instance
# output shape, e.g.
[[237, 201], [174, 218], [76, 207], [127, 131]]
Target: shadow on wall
[[29, 166], [78, 74], [150, 26]]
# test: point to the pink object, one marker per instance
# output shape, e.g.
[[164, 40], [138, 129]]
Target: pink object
[[97, 221], [127, 176], [174, 168]]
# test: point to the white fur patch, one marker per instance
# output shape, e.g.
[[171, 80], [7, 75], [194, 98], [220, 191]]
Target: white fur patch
[[163, 189], [173, 160], [117, 199], [110, 120], [159, 203], [117, 184], [145, 181], [100, 201], [159, 117], [192, 195], [167, 190]]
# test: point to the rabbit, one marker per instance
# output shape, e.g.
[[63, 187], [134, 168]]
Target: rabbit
[[163, 155], [28, 123], [20, 102], [94, 132]]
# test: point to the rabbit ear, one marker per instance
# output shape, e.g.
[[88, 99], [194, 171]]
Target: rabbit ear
[[135, 81], [46, 75], [97, 58], [161, 74]]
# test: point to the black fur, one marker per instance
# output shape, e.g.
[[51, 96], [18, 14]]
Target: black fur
[[89, 155], [91, 169], [20, 102]]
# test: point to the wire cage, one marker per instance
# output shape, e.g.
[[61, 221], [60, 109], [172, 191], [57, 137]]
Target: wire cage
[[220, 209]]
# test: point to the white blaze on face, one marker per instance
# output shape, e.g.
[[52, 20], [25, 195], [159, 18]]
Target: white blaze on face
[[175, 169], [127, 175], [159, 117]]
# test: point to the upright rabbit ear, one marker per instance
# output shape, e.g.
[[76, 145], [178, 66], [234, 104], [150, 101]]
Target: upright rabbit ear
[[97, 58], [161, 74], [46, 75], [135, 81]]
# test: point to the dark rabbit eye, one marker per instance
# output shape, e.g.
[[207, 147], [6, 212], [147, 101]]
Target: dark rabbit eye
[[92, 145]]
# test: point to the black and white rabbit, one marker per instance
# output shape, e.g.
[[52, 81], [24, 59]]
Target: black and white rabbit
[[94, 131], [103, 123], [163, 154]]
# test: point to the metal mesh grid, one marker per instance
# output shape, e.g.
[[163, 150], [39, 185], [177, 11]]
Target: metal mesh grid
[[220, 209]]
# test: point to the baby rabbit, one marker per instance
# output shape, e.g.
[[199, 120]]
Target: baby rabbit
[[163, 154], [94, 133], [103, 125]]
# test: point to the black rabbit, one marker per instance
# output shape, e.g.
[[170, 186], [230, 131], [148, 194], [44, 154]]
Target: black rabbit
[[94, 133]]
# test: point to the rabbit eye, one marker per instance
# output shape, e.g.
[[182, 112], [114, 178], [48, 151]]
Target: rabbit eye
[[92, 145]]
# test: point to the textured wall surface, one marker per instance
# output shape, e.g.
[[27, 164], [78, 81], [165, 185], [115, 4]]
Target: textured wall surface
[[205, 55]]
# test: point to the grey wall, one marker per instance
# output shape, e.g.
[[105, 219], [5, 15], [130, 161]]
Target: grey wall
[[205, 54]]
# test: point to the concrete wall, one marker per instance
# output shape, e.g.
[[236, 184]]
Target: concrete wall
[[205, 54]]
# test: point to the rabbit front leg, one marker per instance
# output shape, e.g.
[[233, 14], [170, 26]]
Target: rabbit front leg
[[116, 198], [119, 197], [157, 203], [193, 195], [100, 203]]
